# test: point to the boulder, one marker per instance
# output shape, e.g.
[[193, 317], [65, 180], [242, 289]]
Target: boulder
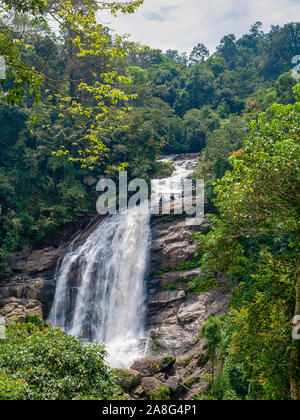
[[173, 382], [173, 278], [197, 389], [14, 309], [153, 365], [150, 385], [128, 379], [138, 393]]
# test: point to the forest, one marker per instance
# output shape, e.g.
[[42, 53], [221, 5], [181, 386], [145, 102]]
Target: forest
[[79, 102]]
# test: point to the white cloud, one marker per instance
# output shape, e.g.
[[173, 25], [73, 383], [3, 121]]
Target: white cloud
[[180, 24]]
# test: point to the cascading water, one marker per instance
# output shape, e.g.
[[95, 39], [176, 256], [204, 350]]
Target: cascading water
[[100, 293], [183, 169]]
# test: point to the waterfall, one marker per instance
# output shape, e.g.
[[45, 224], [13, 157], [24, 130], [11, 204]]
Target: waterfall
[[101, 293]]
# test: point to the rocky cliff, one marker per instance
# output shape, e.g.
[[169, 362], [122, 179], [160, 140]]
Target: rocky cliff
[[30, 289], [175, 318]]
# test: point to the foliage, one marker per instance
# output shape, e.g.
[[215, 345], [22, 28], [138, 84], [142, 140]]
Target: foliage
[[255, 242], [160, 394], [47, 364], [12, 389], [93, 100]]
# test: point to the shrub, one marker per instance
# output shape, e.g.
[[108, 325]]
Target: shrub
[[161, 394], [54, 365], [11, 388]]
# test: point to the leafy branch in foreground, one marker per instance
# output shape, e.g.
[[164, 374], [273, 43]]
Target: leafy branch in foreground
[[94, 101]]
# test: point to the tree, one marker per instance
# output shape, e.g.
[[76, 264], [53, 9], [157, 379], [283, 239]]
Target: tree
[[93, 102], [260, 198], [256, 30], [284, 45], [200, 86], [284, 89], [195, 130], [228, 50], [211, 330], [199, 54], [261, 330], [174, 55]]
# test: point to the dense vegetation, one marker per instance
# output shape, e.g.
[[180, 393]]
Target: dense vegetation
[[59, 84], [39, 363], [255, 240]]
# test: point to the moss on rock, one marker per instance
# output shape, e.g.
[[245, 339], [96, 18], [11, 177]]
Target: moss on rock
[[128, 379]]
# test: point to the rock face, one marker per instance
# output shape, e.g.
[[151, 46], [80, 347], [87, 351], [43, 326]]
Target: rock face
[[27, 295], [175, 318], [172, 244], [31, 288], [175, 324]]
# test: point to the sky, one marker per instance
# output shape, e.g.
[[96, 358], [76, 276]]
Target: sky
[[181, 24]]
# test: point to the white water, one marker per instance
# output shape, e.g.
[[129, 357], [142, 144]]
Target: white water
[[100, 293], [107, 303], [183, 169]]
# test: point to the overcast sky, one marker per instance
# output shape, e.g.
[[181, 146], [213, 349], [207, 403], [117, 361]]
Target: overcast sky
[[181, 24]]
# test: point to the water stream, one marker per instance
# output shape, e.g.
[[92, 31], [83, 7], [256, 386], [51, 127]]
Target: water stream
[[101, 292]]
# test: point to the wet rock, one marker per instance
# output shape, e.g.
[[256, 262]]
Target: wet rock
[[13, 309], [152, 365], [128, 379], [175, 326], [166, 297], [150, 385], [176, 277]]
